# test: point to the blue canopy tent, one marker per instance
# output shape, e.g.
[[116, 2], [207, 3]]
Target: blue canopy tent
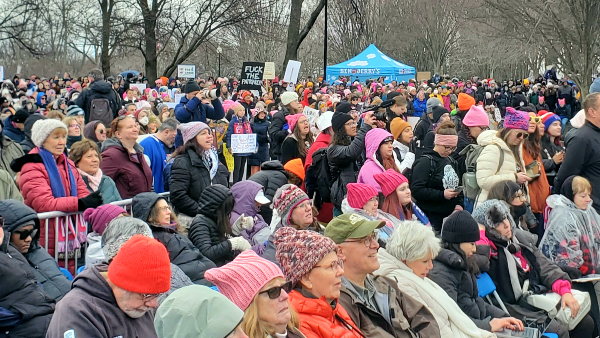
[[371, 64]]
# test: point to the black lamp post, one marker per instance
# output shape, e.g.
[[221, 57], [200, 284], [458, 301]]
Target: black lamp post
[[219, 51]]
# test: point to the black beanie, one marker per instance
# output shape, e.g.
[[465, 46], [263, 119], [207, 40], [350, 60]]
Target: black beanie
[[567, 188], [338, 120], [191, 86], [437, 112], [460, 227], [343, 107]]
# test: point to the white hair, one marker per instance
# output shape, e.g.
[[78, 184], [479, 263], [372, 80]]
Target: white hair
[[411, 241]]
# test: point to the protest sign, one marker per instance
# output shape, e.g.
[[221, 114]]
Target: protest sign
[[186, 71], [269, 73], [171, 105], [139, 86], [291, 71], [423, 76], [2, 74], [243, 143], [178, 97], [252, 75], [311, 114]]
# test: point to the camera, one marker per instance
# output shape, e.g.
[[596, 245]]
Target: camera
[[380, 117]]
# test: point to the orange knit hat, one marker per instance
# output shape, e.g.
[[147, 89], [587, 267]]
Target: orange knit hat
[[465, 101], [142, 265], [296, 167]]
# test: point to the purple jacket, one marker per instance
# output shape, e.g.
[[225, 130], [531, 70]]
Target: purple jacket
[[372, 166], [244, 193]]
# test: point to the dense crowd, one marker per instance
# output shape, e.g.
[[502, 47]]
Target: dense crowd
[[360, 209]]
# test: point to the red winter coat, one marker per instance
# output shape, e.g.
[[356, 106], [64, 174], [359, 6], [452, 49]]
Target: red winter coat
[[130, 178], [322, 141], [37, 194], [319, 320]]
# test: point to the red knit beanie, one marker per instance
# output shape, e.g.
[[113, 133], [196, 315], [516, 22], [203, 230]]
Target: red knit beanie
[[359, 194], [142, 265], [389, 180]]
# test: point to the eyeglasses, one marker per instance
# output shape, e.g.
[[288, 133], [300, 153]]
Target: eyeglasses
[[535, 119], [351, 124], [305, 205], [23, 234], [333, 266], [148, 296], [520, 196], [76, 125], [165, 208], [523, 135], [275, 291], [367, 240]]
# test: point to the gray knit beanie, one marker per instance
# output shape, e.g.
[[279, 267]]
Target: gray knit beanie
[[433, 102], [119, 231], [43, 128], [491, 213]]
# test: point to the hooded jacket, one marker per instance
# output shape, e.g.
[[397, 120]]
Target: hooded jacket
[[204, 231], [189, 178], [572, 235], [131, 178], [271, 176], [89, 132], [17, 215], [10, 151], [372, 165], [181, 250], [91, 310], [451, 320], [487, 173], [244, 193], [22, 295], [276, 132], [11, 131], [195, 111], [99, 89], [420, 106]]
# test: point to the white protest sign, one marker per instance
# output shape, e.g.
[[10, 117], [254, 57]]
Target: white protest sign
[[186, 71], [139, 86], [171, 105], [291, 71], [2, 74], [311, 114], [269, 73], [178, 97], [243, 143]]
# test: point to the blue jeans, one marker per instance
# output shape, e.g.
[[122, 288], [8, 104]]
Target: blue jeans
[[564, 121]]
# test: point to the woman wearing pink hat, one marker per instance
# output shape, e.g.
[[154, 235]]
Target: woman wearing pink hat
[[296, 144], [258, 288], [239, 124], [398, 197]]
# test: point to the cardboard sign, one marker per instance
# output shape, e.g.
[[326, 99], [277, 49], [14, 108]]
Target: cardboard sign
[[178, 97], [186, 71], [252, 76], [243, 143], [423, 76], [291, 71], [269, 73]]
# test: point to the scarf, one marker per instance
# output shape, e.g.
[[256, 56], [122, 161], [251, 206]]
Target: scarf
[[56, 184], [93, 180], [211, 161]]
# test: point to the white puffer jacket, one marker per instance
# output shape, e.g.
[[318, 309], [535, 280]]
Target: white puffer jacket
[[487, 164]]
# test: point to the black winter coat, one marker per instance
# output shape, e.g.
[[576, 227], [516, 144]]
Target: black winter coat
[[276, 133], [549, 149], [189, 177], [181, 250], [343, 162], [450, 273], [204, 231], [17, 215], [422, 128], [98, 90], [21, 294], [271, 176]]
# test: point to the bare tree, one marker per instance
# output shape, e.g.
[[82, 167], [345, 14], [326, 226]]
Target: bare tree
[[295, 35]]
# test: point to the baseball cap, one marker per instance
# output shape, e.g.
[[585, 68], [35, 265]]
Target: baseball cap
[[350, 226], [261, 198]]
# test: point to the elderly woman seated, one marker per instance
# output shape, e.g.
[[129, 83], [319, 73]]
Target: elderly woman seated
[[407, 259]]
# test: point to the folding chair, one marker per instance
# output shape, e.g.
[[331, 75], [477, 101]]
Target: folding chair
[[486, 287]]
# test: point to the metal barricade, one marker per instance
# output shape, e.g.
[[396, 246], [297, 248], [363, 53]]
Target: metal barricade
[[78, 216]]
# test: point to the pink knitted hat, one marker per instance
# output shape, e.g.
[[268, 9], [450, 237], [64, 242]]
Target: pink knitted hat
[[292, 119], [99, 217], [191, 129], [359, 194], [476, 117], [241, 279], [389, 180], [516, 119]]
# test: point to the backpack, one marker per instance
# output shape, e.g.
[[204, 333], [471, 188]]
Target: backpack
[[100, 110], [318, 180], [469, 179]]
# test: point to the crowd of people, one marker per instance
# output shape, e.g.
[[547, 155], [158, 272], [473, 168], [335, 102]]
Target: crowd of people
[[349, 219]]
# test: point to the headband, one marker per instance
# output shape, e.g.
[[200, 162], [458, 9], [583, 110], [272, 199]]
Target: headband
[[446, 140]]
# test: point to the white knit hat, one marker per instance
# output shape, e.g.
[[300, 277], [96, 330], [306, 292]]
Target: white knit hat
[[288, 97], [43, 128]]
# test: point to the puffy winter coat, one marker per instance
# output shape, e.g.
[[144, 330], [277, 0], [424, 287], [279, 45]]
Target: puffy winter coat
[[204, 231], [450, 273], [107, 188], [244, 193], [98, 90], [195, 111], [271, 177], [420, 106], [372, 165], [276, 132], [131, 178], [10, 151], [487, 164], [549, 149], [452, 321], [181, 250], [22, 295], [37, 193], [16, 215], [318, 319], [189, 178], [8, 187]]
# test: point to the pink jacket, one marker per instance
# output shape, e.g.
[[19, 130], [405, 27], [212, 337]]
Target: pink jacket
[[372, 166]]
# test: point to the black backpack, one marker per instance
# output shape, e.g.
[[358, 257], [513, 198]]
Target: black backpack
[[100, 110], [318, 179]]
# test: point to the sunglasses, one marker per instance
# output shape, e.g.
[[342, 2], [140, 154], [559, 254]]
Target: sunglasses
[[524, 135], [23, 234], [101, 131], [536, 119], [275, 292]]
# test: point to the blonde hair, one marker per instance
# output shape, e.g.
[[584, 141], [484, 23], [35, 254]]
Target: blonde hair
[[254, 327], [581, 184], [55, 114]]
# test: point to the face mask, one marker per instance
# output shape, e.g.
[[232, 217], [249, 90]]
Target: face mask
[[518, 211], [144, 121]]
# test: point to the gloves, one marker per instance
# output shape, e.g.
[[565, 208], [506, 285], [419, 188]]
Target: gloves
[[93, 200], [242, 223], [239, 244]]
